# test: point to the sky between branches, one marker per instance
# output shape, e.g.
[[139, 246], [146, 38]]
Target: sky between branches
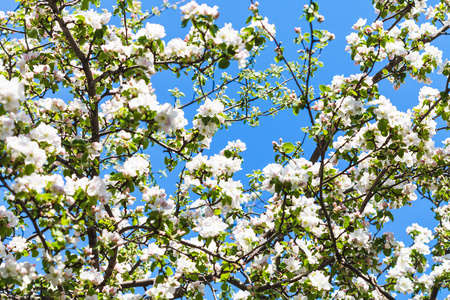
[[339, 18]]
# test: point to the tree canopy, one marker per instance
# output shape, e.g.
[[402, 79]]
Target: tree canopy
[[85, 214]]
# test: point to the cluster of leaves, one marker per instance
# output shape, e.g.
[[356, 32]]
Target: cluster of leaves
[[83, 202]]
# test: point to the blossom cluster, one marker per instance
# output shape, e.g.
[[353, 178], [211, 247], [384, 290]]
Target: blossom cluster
[[87, 213]]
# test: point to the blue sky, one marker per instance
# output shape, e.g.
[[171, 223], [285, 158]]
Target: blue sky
[[339, 18]]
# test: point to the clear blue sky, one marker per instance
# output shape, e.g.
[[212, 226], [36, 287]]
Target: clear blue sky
[[339, 18]]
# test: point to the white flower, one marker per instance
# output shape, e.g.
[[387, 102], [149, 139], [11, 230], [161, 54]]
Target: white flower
[[228, 35], [241, 295], [185, 265], [18, 244], [360, 23], [352, 38], [292, 264], [210, 226], [404, 285], [52, 104], [111, 237], [192, 9], [268, 29], [156, 197], [210, 108], [46, 133], [241, 57], [152, 250], [92, 275], [151, 32], [9, 216], [360, 238], [134, 165], [244, 235], [97, 187], [6, 127], [319, 281], [170, 119], [23, 145], [94, 19], [237, 145], [175, 46], [11, 93]]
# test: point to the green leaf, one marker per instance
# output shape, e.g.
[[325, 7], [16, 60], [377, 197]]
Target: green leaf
[[288, 147], [98, 33], [160, 279], [224, 63], [363, 93], [390, 215], [84, 5], [142, 40], [5, 160], [33, 33], [160, 45], [259, 41], [383, 127], [346, 221], [227, 153], [133, 147], [352, 93], [370, 145], [29, 169], [201, 267], [169, 271]]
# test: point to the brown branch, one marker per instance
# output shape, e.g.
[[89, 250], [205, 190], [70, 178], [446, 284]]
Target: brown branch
[[324, 209], [87, 71], [111, 264], [393, 63], [12, 30], [209, 93], [92, 236], [379, 76], [368, 280], [434, 292], [111, 72], [372, 188], [68, 165], [35, 225], [295, 278], [169, 148], [137, 283]]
